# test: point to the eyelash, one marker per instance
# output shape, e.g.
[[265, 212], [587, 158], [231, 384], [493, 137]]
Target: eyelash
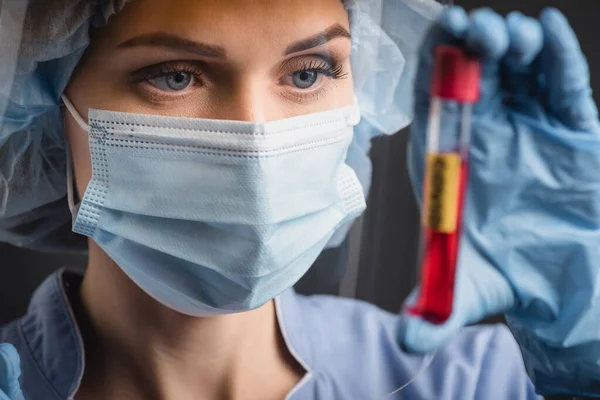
[[146, 74], [329, 68]]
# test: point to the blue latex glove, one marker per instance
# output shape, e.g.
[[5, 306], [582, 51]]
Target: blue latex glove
[[531, 242], [9, 373]]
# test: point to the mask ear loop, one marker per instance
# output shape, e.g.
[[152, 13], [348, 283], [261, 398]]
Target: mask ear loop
[[75, 114], [74, 208], [424, 365]]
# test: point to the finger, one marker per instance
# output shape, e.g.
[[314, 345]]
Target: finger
[[417, 336], [526, 41], [487, 35], [449, 29], [10, 372], [566, 73], [455, 21], [487, 38]]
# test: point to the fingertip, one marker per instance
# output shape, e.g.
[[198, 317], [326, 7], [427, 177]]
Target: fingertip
[[559, 35], [487, 35], [10, 371], [455, 21], [526, 38], [553, 15], [8, 353], [515, 15], [9, 360], [416, 336]]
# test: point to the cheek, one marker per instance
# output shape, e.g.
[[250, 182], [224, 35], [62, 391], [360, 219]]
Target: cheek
[[80, 153]]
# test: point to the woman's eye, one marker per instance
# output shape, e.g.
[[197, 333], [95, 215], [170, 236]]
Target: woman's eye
[[305, 79], [173, 82]]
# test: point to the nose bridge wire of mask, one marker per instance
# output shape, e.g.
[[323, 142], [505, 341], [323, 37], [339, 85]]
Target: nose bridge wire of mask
[[425, 364]]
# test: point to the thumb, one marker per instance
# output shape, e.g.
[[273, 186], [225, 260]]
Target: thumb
[[416, 335], [10, 371], [480, 291]]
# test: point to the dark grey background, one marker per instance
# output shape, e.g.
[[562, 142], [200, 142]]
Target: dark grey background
[[389, 237]]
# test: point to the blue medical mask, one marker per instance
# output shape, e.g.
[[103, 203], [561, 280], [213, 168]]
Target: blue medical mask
[[210, 216]]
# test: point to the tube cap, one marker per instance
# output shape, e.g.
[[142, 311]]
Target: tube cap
[[456, 75]]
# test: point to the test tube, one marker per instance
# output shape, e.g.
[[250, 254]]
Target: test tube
[[455, 88]]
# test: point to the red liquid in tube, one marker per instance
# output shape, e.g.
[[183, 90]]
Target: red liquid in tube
[[439, 265], [456, 80]]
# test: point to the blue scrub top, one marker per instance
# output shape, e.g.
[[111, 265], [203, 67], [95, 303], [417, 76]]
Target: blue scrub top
[[346, 346]]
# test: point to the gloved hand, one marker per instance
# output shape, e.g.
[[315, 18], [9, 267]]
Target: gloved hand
[[9, 373], [531, 229]]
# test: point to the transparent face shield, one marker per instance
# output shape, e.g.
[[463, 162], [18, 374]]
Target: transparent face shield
[[240, 63]]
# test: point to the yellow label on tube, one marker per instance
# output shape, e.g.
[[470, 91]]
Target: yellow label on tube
[[442, 184]]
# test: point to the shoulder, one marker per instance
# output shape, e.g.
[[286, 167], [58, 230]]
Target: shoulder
[[48, 343], [32, 380], [354, 350]]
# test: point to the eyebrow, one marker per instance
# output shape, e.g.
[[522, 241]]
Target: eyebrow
[[333, 32], [161, 39]]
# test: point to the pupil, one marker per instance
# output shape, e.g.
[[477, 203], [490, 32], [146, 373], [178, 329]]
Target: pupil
[[305, 79], [178, 81]]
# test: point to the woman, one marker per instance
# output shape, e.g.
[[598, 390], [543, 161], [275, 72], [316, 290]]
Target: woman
[[208, 142]]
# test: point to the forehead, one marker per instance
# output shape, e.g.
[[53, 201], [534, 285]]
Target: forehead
[[222, 21]]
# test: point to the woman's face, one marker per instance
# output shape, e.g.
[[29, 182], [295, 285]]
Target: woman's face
[[248, 60]]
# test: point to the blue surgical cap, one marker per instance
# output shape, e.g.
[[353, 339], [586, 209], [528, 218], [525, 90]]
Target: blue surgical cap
[[41, 43]]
